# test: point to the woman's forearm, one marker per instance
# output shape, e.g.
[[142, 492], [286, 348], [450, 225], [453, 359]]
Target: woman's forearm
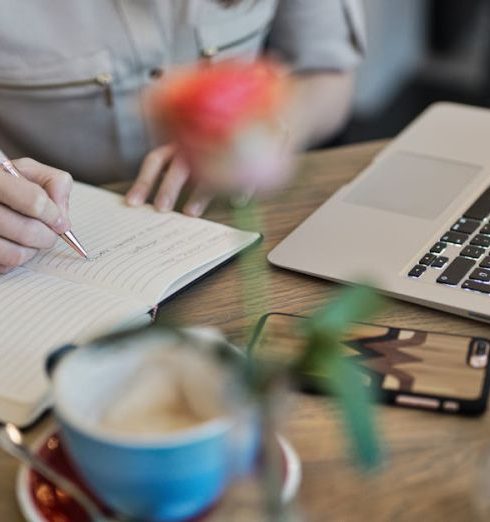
[[321, 105]]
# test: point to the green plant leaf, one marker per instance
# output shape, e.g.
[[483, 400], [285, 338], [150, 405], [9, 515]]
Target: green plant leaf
[[355, 400], [354, 304], [323, 356]]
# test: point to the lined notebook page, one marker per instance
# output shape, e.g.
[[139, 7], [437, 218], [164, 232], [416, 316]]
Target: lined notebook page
[[135, 251], [40, 313]]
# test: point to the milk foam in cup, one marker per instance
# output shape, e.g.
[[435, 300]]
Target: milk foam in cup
[[149, 424]]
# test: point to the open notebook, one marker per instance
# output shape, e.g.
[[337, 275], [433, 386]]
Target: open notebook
[[139, 258]]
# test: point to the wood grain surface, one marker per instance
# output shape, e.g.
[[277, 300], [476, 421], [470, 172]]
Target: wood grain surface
[[437, 467]]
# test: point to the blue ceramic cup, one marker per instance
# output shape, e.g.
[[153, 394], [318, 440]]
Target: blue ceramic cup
[[157, 477]]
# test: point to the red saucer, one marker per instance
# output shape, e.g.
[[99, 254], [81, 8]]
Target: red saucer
[[41, 501]]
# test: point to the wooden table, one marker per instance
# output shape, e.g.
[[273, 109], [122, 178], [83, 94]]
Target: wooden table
[[435, 463]]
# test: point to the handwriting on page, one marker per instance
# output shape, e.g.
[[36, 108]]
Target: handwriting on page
[[39, 313], [134, 250]]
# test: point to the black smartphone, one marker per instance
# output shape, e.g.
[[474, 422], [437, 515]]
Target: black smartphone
[[413, 368]]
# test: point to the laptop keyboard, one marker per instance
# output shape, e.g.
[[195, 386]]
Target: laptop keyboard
[[462, 254]]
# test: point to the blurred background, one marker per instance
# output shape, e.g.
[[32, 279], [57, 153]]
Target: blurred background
[[419, 51]]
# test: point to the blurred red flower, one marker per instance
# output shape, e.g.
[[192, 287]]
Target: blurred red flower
[[211, 102], [226, 121]]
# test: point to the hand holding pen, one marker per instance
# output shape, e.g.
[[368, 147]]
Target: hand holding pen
[[33, 210]]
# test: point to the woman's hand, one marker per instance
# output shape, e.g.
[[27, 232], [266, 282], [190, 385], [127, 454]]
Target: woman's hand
[[33, 210], [164, 172]]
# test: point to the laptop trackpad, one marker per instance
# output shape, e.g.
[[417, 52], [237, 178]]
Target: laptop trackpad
[[418, 186]]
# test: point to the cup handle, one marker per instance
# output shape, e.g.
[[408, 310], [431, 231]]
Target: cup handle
[[55, 357]]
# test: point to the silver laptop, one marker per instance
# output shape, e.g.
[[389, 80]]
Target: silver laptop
[[415, 222]]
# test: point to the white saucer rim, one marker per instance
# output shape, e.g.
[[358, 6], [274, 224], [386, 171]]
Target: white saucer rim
[[30, 511], [294, 473]]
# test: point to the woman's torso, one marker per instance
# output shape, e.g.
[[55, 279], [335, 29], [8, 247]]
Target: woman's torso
[[72, 72]]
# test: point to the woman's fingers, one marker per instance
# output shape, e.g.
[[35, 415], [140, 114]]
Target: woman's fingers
[[59, 189], [174, 179], [12, 254], [56, 183], [33, 208], [198, 201], [31, 200], [25, 231], [164, 166], [149, 175]]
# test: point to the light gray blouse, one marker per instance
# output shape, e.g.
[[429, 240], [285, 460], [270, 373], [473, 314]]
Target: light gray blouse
[[72, 71]]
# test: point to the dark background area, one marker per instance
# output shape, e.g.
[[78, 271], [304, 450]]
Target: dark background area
[[419, 52]]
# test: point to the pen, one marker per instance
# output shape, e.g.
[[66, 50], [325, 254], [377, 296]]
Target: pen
[[68, 237]]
